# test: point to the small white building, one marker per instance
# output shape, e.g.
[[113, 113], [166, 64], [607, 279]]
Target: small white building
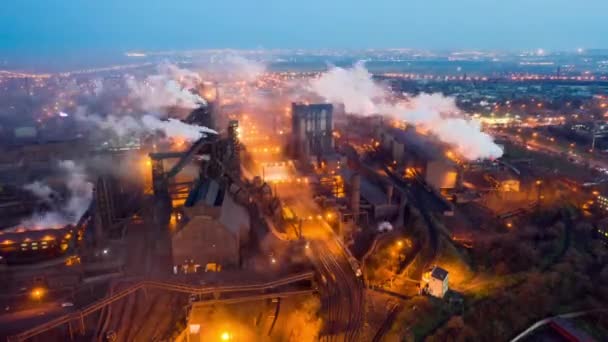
[[436, 282]]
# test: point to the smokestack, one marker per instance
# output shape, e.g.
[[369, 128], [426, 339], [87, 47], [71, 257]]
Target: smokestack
[[355, 182], [389, 193]]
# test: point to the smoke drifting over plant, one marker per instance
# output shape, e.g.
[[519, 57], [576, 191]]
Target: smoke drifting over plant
[[360, 94], [170, 87], [147, 124], [78, 199], [40, 190], [230, 68]]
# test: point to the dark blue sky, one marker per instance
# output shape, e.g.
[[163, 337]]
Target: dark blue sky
[[57, 26]]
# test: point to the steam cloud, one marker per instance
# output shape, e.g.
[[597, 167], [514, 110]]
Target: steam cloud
[[244, 69], [80, 194], [232, 68], [356, 89], [148, 124], [40, 190], [169, 88]]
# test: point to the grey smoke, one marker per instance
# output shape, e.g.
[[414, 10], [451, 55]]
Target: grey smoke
[[40, 190], [436, 113], [79, 197]]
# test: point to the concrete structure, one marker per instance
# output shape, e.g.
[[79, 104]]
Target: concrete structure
[[312, 126], [217, 228], [436, 282], [367, 197], [422, 154]]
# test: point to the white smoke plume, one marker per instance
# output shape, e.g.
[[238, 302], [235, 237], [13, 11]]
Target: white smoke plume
[[98, 87], [79, 197], [231, 68], [40, 190], [174, 128], [169, 88], [244, 69], [186, 78], [147, 124], [360, 94]]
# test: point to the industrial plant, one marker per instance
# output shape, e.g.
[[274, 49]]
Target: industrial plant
[[250, 204]]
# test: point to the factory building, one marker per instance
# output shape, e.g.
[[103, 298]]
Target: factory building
[[436, 282], [35, 245], [376, 202], [216, 229], [312, 126], [421, 156], [22, 245]]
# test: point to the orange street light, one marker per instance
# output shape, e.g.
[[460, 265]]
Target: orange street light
[[226, 336], [37, 293]]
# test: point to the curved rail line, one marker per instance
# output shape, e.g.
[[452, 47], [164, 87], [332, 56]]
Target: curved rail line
[[145, 284]]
